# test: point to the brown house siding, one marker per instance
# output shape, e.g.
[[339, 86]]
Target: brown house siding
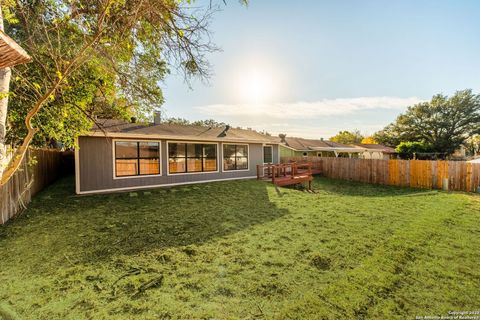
[[95, 167]]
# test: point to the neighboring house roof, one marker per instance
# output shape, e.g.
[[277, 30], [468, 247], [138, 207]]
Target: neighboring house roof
[[376, 147], [301, 144], [123, 129], [10, 52]]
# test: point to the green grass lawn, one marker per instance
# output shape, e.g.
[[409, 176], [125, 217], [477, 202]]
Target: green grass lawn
[[239, 250]]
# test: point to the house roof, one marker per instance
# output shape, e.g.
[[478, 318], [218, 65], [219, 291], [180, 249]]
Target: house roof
[[123, 129], [376, 147], [10, 52], [301, 144]]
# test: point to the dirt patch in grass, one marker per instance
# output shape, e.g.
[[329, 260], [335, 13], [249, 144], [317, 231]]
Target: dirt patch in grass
[[320, 262]]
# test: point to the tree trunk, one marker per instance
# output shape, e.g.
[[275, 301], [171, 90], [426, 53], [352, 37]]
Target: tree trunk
[[4, 89]]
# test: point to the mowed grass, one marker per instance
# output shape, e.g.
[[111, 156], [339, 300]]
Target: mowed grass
[[241, 250]]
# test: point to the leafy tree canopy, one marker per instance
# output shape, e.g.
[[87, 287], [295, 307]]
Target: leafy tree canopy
[[444, 123], [109, 56], [202, 123], [411, 150], [369, 140], [348, 137], [473, 145]]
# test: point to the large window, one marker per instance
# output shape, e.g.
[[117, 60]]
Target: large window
[[267, 154], [235, 157], [136, 158], [191, 157]]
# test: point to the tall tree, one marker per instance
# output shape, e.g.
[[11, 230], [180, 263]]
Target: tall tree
[[444, 123], [5, 75], [130, 44], [347, 137]]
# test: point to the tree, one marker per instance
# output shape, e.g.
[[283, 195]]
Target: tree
[[202, 123], [348, 137], [5, 75], [209, 123], [473, 145], [410, 150], [388, 136], [369, 140], [444, 122], [129, 44]]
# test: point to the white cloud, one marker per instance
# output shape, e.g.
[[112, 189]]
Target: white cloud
[[307, 110]]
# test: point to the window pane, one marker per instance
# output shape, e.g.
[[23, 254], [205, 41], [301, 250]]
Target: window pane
[[194, 150], [229, 164], [176, 165], [149, 149], [210, 150], [210, 164], [176, 150], [125, 149], [149, 166], [228, 151], [242, 151], [194, 165], [267, 155], [242, 163], [126, 167]]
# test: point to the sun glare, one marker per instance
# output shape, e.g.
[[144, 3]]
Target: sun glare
[[257, 79], [256, 86]]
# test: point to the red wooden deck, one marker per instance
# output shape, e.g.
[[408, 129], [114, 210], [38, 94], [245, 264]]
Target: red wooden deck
[[286, 174]]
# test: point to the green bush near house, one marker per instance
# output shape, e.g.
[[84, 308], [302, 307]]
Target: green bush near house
[[240, 250]]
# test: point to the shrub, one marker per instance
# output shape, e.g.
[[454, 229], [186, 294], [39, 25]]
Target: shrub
[[408, 149]]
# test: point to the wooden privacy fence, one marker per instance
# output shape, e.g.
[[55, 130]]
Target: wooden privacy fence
[[461, 176], [39, 168]]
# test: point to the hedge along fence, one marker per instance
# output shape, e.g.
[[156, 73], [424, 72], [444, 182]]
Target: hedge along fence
[[39, 168], [451, 175]]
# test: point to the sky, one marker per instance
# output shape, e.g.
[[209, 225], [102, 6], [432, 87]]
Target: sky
[[314, 67]]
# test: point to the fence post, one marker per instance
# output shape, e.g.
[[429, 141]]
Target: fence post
[[445, 184]]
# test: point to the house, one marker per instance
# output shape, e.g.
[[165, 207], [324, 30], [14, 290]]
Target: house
[[119, 155], [300, 147], [376, 151]]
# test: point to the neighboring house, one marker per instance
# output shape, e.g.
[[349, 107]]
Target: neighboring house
[[129, 156], [376, 151], [300, 147]]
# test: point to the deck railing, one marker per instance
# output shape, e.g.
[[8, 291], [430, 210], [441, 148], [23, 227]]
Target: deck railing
[[285, 173]]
